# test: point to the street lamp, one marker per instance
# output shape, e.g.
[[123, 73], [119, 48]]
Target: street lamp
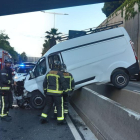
[[54, 15]]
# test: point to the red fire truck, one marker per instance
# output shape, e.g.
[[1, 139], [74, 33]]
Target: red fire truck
[[4, 55]]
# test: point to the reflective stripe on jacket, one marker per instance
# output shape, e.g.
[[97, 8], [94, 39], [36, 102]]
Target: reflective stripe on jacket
[[54, 83], [69, 80], [5, 79]]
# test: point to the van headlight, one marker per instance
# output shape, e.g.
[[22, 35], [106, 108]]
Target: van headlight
[[15, 77]]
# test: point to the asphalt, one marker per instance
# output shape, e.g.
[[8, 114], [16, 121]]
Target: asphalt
[[133, 86], [25, 126]]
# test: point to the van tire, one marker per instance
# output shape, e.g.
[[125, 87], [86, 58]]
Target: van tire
[[37, 100], [120, 79]]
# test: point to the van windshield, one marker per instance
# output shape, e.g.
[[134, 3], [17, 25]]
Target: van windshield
[[40, 68]]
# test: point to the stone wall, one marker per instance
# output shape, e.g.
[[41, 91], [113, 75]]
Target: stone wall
[[132, 26]]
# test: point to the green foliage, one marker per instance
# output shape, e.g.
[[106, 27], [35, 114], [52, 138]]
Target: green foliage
[[46, 47], [52, 36], [23, 57], [128, 7], [5, 45], [110, 7]]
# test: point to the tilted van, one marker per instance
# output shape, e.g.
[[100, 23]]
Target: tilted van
[[106, 56]]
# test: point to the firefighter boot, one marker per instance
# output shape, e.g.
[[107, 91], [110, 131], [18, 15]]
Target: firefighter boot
[[43, 120], [8, 114], [61, 122]]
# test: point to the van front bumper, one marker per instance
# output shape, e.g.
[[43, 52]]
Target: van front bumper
[[26, 94]]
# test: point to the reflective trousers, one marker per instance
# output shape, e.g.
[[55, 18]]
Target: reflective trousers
[[58, 100], [66, 102], [6, 103]]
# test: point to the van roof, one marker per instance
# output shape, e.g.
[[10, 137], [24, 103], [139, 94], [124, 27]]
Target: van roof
[[87, 39]]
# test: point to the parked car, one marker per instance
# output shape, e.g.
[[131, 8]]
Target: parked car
[[106, 56], [20, 75]]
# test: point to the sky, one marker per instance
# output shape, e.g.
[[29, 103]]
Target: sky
[[27, 30]]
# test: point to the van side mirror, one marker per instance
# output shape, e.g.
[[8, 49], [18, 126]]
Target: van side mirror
[[32, 75]]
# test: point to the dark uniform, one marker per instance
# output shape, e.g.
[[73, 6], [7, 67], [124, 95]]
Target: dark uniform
[[5, 92], [70, 83], [54, 85]]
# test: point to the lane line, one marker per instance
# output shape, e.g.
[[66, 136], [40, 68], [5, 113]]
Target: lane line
[[73, 129], [136, 91], [134, 83], [88, 134]]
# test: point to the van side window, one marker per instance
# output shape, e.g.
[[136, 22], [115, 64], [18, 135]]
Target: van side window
[[52, 59], [40, 68]]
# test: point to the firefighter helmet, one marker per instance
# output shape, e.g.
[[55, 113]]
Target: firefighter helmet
[[8, 61], [63, 67]]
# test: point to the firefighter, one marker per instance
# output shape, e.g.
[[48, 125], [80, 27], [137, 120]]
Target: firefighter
[[54, 84], [70, 83], [5, 91]]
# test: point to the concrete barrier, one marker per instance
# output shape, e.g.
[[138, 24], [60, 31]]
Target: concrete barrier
[[106, 118], [127, 98]]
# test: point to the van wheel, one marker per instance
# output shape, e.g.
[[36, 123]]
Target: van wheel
[[120, 79], [37, 100]]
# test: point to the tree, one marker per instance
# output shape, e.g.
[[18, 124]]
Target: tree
[[46, 47], [23, 57], [110, 7], [53, 36], [5, 45]]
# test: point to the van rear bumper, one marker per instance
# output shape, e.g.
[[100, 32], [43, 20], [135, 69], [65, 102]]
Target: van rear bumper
[[133, 69]]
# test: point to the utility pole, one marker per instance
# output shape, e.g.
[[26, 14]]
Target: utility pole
[[54, 15]]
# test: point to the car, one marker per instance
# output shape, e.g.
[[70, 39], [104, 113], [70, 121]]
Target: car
[[22, 70], [20, 75]]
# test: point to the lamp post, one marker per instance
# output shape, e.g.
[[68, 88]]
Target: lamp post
[[54, 15]]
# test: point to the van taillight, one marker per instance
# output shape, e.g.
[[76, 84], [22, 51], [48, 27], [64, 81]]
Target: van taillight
[[132, 44]]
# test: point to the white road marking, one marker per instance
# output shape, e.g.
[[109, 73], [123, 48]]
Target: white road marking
[[136, 91], [134, 83], [73, 129], [83, 128]]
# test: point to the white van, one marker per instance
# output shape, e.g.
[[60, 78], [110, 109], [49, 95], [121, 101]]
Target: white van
[[106, 56]]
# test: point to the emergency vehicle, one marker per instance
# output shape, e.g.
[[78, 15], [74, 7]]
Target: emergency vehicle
[[3, 56]]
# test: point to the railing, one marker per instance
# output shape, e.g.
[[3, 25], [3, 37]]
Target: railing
[[93, 30]]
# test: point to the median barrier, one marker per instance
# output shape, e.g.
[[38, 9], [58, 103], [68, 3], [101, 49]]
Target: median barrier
[[127, 98], [107, 119]]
